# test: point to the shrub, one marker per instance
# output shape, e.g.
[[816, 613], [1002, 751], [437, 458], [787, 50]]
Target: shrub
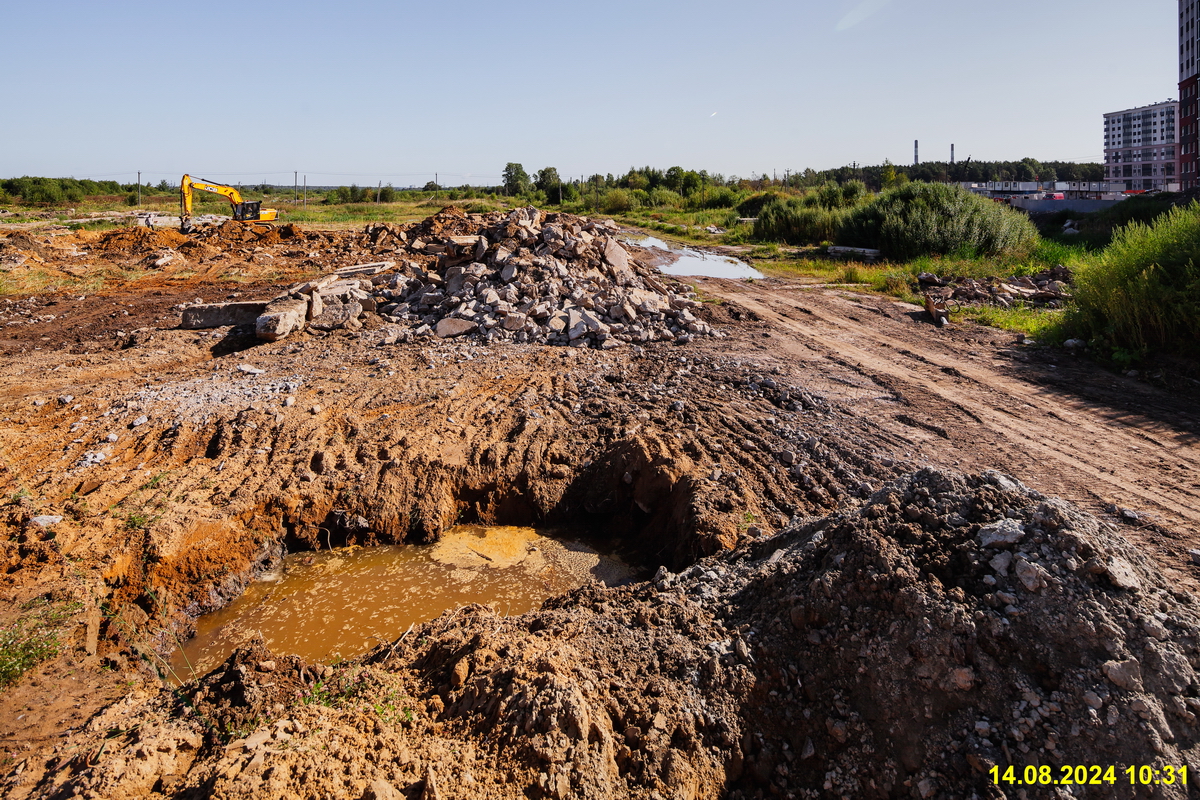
[[616, 201], [719, 197], [660, 198], [1143, 292], [794, 222], [753, 205], [937, 219]]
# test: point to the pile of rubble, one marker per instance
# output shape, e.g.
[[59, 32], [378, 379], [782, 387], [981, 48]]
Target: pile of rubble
[[523, 276], [1049, 288]]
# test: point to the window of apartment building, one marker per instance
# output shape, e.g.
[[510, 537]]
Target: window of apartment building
[[1127, 171]]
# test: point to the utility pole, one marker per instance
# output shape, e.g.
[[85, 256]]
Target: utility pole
[[306, 191], [378, 192], [916, 152], [139, 188], [295, 185], [436, 185]]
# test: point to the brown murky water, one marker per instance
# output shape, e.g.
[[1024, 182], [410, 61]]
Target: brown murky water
[[336, 604]]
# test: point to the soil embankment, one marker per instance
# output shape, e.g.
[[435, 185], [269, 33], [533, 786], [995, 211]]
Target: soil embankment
[[852, 630]]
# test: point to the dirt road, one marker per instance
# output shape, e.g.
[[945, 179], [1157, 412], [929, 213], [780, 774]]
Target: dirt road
[[974, 398]]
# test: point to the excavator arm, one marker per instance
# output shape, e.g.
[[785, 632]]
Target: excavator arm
[[243, 210]]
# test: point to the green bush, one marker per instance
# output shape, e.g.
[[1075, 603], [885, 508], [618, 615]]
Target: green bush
[[1143, 292], [719, 197], [937, 219], [832, 195], [617, 201], [665, 198], [792, 221], [753, 205]]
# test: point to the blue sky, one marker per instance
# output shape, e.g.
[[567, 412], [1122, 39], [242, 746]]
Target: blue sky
[[364, 91]]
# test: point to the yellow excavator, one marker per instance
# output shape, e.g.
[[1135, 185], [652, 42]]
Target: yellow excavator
[[243, 210]]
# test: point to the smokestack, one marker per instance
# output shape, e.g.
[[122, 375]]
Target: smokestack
[[916, 152], [951, 154]]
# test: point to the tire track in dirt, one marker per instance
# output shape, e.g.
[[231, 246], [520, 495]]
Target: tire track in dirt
[[1080, 447]]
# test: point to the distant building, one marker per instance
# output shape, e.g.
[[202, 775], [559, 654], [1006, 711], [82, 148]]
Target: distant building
[[1189, 43], [1037, 190], [1141, 147]]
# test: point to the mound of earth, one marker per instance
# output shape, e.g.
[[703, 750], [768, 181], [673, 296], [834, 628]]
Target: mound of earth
[[140, 240], [904, 648]]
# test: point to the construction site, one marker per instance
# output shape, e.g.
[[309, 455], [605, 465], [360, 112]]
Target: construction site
[[666, 537]]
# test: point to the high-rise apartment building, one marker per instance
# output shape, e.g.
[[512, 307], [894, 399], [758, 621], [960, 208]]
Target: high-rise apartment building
[[1189, 43], [1141, 146]]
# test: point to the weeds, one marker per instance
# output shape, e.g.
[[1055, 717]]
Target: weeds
[[1143, 292], [32, 638]]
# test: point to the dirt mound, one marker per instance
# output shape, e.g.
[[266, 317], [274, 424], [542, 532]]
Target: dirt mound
[[951, 624], [140, 240]]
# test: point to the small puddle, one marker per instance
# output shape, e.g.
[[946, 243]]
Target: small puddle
[[697, 262], [336, 604]]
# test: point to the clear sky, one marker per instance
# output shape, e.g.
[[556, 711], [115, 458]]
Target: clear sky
[[366, 90]]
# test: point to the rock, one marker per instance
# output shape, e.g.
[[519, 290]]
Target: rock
[[1004, 533], [430, 791], [45, 520], [365, 269], [1120, 573], [450, 327], [221, 315], [514, 321], [380, 789], [1032, 576], [66, 399], [1001, 562], [787, 457], [250, 369], [1093, 700], [140, 421], [316, 306], [1124, 674], [337, 314], [280, 318], [1194, 556]]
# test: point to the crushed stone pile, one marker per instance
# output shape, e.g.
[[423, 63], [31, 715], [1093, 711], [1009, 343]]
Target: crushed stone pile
[[904, 648], [523, 276], [1049, 288]]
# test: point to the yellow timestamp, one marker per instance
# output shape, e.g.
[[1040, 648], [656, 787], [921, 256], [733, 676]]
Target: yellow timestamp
[[1080, 775]]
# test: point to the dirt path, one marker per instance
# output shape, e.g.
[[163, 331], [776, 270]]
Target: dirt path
[[971, 397]]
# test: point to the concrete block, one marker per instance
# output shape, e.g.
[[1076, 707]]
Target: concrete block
[[219, 315]]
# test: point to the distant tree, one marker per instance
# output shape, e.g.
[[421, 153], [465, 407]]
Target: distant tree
[[673, 179], [547, 181], [691, 183], [516, 179], [387, 194], [431, 187]]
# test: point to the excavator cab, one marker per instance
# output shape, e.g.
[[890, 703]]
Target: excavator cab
[[248, 210]]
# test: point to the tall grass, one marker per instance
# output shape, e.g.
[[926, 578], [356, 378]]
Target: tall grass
[[923, 219], [793, 222], [1143, 292]]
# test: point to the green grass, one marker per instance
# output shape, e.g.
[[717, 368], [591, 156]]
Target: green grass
[[1142, 293], [35, 636], [1045, 325]]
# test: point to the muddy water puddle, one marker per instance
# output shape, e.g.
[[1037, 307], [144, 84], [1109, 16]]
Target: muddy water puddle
[[336, 604], [697, 262]]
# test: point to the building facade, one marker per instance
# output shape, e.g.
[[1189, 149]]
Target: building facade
[[1189, 43], [1141, 147]]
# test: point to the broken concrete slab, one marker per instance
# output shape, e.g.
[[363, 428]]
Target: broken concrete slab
[[220, 315], [280, 318], [373, 268], [451, 326]]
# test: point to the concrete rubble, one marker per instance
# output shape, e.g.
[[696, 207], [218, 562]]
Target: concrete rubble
[[523, 276], [1048, 288]]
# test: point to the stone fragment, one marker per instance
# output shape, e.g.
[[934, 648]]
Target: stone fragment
[[250, 369], [1032, 576], [514, 322], [221, 315], [46, 520], [1125, 674], [280, 318], [1004, 533], [336, 315], [451, 326], [1121, 573]]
